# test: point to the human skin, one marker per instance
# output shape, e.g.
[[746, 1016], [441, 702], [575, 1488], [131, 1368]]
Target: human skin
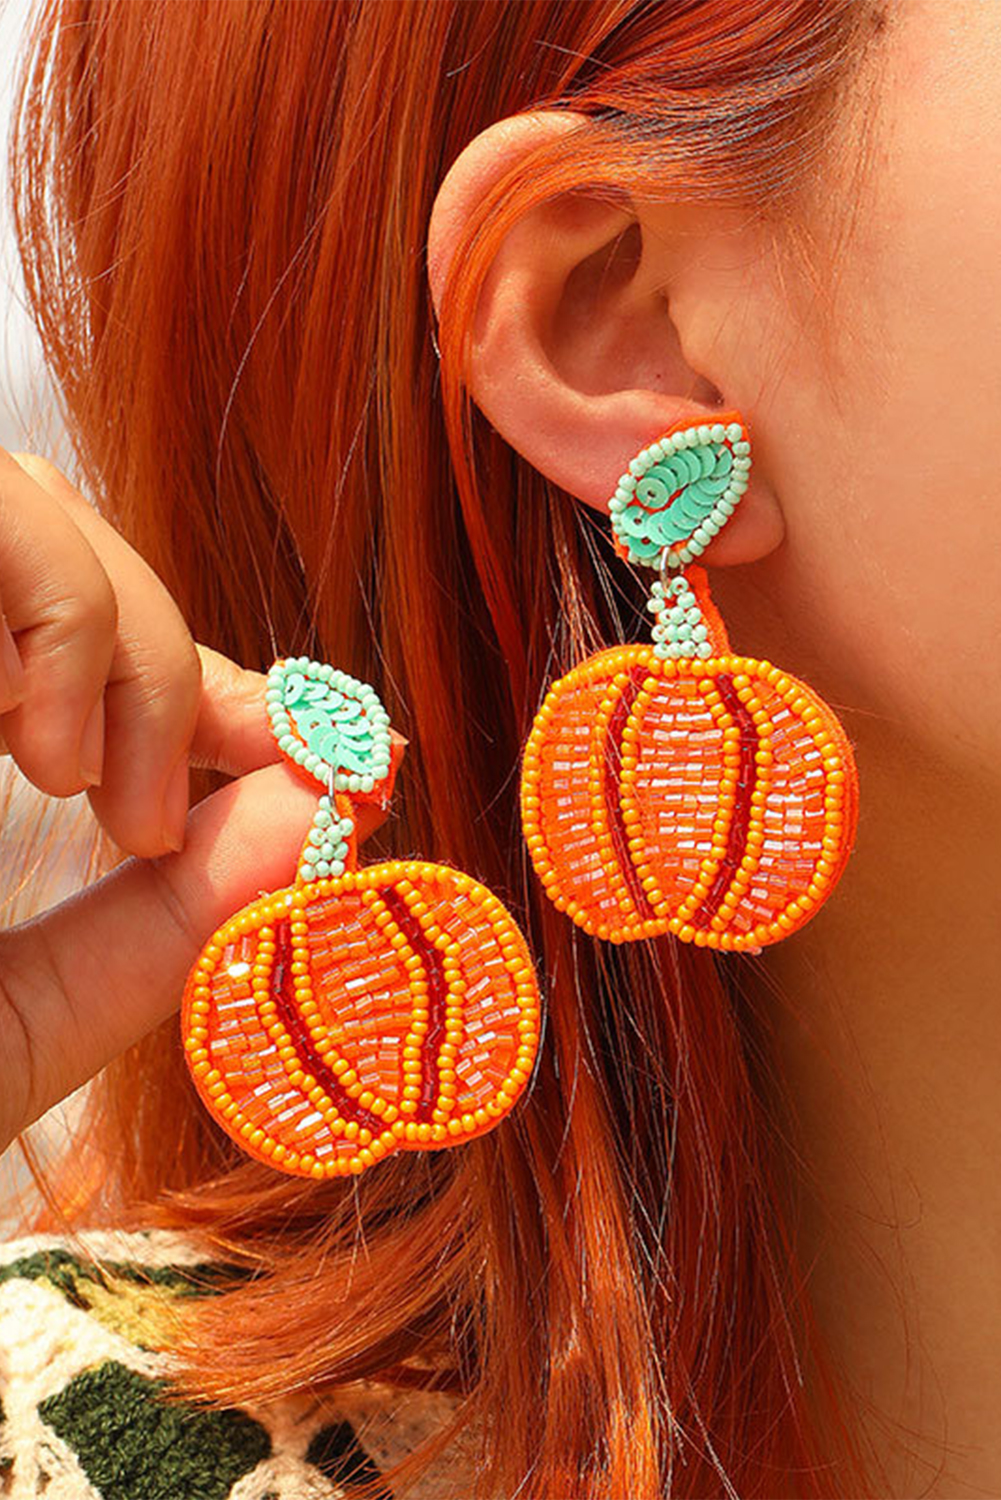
[[91, 626], [865, 558]]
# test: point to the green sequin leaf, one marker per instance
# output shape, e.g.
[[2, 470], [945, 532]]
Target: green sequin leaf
[[677, 495], [679, 492], [330, 723]]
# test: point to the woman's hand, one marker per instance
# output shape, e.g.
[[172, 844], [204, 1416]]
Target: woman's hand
[[110, 690], [103, 689]]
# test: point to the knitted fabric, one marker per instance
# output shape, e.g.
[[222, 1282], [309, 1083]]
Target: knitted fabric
[[82, 1415]]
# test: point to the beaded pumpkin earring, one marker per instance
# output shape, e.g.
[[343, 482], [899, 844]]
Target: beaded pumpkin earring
[[676, 787], [357, 1012]]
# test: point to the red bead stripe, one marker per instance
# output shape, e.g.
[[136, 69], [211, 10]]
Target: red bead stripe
[[613, 799], [283, 994], [437, 994], [740, 818]]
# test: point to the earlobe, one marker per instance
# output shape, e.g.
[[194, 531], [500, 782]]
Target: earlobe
[[576, 356]]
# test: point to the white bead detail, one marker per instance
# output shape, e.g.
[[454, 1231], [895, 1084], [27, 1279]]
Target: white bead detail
[[680, 630]]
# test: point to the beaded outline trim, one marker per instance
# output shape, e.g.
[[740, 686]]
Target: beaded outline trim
[[291, 742], [840, 802]]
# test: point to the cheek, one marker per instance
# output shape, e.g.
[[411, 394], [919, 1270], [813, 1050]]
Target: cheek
[[889, 470]]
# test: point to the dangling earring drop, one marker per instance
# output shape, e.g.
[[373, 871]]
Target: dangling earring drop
[[677, 787], [357, 1012]]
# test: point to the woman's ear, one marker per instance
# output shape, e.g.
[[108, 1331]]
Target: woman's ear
[[600, 324]]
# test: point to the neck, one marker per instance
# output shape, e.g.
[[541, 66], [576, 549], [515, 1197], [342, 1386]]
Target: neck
[[887, 1032]]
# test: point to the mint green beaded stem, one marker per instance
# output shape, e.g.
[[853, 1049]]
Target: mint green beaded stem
[[679, 493], [679, 628], [335, 727], [327, 850]]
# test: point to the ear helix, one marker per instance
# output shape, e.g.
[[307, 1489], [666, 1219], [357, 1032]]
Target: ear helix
[[676, 786]]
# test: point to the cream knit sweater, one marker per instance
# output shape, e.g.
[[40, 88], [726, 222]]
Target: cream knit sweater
[[81, 1414]]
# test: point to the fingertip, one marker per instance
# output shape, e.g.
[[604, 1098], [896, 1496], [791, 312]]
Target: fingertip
[[142, 831], [232, 733], [385, 788]]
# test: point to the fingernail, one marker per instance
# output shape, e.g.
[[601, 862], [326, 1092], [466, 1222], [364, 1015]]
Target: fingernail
[[91, 756], [175, 806], [13, 667]]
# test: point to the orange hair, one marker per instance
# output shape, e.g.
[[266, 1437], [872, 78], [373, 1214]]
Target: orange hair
[[222, 209]]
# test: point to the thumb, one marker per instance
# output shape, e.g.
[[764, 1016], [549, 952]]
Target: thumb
[[81, 983]]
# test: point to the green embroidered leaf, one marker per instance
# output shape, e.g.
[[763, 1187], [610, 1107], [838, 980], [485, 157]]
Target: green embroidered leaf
[[325, 723], [329, 722], [679, 492]]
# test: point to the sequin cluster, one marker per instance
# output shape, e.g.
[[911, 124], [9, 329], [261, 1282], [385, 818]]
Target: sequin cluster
[[329, 723], [680, 491]]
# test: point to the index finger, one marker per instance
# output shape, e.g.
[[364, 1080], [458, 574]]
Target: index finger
[[232, 733]]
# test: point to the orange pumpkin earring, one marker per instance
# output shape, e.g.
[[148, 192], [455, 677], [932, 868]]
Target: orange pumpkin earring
[[676, 787], [357, 1012]]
